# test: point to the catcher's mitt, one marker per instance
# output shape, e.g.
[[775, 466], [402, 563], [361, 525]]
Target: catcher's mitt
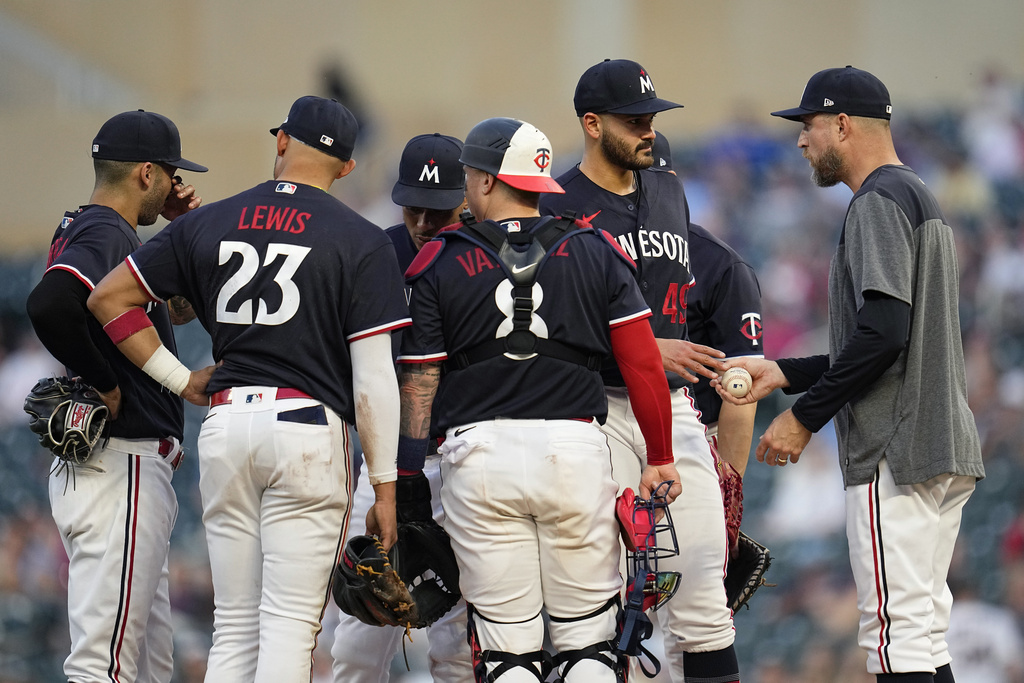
[[413, 585], [67, 415], [745, 572]]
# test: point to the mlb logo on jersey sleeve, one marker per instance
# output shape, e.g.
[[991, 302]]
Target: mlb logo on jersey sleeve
[[286, 188]]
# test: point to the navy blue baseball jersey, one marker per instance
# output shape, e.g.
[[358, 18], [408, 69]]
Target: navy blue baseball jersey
[[258, 268], [462, 297], [89, 243], [723, 309], [651, 227]]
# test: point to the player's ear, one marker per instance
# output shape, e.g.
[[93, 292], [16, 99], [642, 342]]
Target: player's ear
[[842, 123], [282, 142], [347, 168], [146, 173], [591, 124]]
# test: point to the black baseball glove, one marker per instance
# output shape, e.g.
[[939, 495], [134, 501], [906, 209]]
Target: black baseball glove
[[413, 585], [745, 572], [68, 416]]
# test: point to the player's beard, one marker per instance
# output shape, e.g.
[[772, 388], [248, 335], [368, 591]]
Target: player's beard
[[619, 152], [152, 205], [828, 169]]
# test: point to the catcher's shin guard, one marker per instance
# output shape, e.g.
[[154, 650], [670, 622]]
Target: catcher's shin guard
[[537, 662], [597, 628]]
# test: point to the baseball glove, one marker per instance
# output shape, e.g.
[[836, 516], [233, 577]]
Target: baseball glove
[[68, 416], [413, 585], [745, 572]]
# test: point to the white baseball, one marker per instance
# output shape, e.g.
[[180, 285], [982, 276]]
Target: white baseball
[[737, 382]]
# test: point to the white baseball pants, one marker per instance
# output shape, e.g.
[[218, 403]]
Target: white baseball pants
[[275, 504], [115, 515], [901, 545], [697, 619]]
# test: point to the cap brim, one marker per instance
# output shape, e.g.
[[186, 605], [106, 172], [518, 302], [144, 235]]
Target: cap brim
[[439, 200], [793, 114], [531, 183], [651, 106], [186, 165]]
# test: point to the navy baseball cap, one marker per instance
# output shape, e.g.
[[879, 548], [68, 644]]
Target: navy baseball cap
[[662, 153], [430, 175], [847, 91], [142, 136], [618, 86], [326, 125], [515, 152]]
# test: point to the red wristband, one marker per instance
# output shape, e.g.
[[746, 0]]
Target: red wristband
[[128, 323]]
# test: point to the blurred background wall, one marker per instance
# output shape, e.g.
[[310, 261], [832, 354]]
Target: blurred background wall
[[226, 71]]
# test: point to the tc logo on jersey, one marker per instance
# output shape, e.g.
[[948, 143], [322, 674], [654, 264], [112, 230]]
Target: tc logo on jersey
[[430, 172], [645, 83], [751, 328], [287, 188], [543, 158]]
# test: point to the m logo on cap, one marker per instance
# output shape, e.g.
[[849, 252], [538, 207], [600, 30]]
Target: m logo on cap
[[543, 158], [645, 83], [326, 140], [429, 173]]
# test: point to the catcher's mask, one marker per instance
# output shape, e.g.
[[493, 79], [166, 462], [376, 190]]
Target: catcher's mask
[[649, 536]]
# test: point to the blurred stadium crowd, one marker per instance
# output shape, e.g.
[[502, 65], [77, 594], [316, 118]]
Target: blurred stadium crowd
[[749, 185]]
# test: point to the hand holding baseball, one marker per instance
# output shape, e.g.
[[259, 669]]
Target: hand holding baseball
[[748, 380]]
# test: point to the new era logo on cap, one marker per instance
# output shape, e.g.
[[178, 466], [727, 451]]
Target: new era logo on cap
[[828, 102]]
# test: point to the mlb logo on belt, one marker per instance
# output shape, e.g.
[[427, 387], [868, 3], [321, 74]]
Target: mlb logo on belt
[[254, 398]]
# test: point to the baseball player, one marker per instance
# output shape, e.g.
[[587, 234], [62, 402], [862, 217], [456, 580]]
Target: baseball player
[[431, 190], [115, 512], [723, 311], [647, 214], [299, 294], [893, 380], [521, 310]]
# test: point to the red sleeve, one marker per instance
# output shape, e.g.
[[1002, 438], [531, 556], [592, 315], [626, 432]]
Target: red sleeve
[[639, 360]]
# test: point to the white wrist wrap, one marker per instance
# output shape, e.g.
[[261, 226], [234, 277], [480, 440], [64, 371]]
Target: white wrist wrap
[[167, 370]]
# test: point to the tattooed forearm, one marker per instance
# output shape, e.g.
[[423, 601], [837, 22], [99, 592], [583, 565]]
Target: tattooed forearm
[[418, 385], [181, 310]]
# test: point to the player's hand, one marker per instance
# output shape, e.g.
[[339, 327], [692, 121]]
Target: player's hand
[[653, 475], [181, 200], [382, 520], [688, 360], [112, 399], [783, 441], [765, 376], [195, 391]]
